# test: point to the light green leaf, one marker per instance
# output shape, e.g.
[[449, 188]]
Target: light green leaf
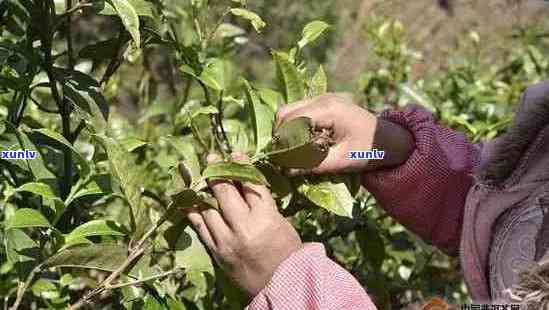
[[289, 78], [214, 74], [262, 118], [193, 256], [129, 18], [311, 32], [190, 158], [256, 21], [84, 165], [45, 288], [103, 256], [131, 144], [226, 30], [24, 218], [20, 248], [334, 197], [234, 171], [94, 228], [271, 98], [319, 83], [40, 189], [207, 110]]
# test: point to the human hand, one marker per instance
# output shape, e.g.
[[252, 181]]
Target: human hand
[[354, 129], [248, 237]]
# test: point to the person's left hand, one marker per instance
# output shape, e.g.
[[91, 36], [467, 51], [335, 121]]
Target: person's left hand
[[248, 237]]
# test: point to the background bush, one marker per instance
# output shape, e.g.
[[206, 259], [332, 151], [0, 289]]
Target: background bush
[[60, 76]]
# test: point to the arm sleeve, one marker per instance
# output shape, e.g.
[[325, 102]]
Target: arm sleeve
[[427, 193], [309, 280]]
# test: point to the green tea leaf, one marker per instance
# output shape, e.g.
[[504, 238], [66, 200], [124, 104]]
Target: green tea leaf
[[256, 21], [294, 145], [86, 95], [214, 73], [334, 197], [21, 250], [131, 144], [319, 83], [234, 171], [84, 164], [190, 158], [312, 32], [25, 218], [207, 110], [94, 228], [123, 168], [21, 141], [129, 18], [184, 198], [103, 256], [45, 289], [289, 78], [193, 256], [40, 189], [372, 245], [262, 118]]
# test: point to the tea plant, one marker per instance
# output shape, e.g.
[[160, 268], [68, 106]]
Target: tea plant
[[96, 216]]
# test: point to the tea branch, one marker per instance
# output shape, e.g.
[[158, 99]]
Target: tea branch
[[135, 253], [176, 271], [23, 286]]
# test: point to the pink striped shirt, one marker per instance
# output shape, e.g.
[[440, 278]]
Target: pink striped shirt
[[432, 187]]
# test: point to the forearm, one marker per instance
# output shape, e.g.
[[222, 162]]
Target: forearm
[[426, 193], [309, 280]]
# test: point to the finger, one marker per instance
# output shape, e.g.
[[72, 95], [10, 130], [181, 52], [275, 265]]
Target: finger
[[321, 114], [232, 204], [200, 227], [256, 195], [218, 228]]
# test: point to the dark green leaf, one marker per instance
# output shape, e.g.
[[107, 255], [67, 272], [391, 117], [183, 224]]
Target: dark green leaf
[[84, 164], [94, 228], [107, 257], [295, 146], [123, 168]]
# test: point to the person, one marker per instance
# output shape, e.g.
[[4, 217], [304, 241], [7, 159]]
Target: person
[[439, 176]]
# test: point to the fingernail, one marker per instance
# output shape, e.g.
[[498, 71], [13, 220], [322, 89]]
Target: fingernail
[[296, 172], [239, 157], [213, 158]]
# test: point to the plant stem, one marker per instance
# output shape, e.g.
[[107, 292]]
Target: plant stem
[[220, 123], [138, 282], [213, 120], [135, 253], [23, 286]]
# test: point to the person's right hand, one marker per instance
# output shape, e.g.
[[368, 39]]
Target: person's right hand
[[355, 129]]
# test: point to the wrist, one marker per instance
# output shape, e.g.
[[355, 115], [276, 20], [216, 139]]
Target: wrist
[[396, 141]]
